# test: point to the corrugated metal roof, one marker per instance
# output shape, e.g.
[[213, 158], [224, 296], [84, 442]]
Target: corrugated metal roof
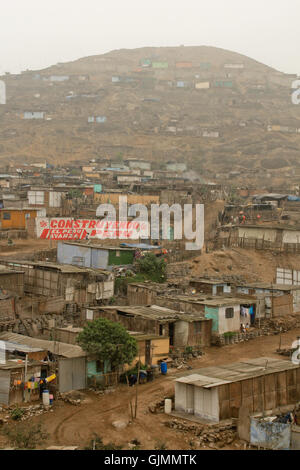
[[17, 364], [10, 346], [98, 247], [211, 300], [5, 271], [209, 377], [154, 312], [257, 285], [64, 268], [266, 285], [57, 348]]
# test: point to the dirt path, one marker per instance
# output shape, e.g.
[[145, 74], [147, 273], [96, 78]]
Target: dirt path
[[69, 425]]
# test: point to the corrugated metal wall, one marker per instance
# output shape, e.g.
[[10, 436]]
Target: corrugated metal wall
[[4, 387], [72, 374]]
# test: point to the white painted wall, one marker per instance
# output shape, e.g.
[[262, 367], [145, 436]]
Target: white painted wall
[[290, 236], [181, 333], [54, 199], [229, 324], [36, 197], [258, 233], [206, 403]]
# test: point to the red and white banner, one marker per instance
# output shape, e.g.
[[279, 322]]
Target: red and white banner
[[82, 229]]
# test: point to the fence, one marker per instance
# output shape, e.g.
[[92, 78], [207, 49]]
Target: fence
[[256, 244], [110, 379]]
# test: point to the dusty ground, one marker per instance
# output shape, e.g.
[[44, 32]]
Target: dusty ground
[[75, 425], [23, 247], [249, 264]]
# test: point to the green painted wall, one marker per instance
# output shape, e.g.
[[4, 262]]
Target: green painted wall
[[126, 257], [98, 188], [212, 313], [92, 369]]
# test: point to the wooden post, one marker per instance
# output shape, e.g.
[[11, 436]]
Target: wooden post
[[280, 339], [27, 394], [130, 402], [137, 384]]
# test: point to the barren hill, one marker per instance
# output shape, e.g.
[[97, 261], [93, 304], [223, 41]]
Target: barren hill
[[213, 108]]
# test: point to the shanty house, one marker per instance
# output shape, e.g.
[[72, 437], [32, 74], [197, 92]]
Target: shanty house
[[72, 283], [12, 280], [224, 311], [14, 218], [217, 393], [138, 163], [176, 166], [275, 299], [151, 349], [94, 256], [12, 375], [210, 286], [70, 360], [182, 329], [33, 115]]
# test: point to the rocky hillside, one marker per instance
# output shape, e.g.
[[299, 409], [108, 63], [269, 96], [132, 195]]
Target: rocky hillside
[[213, 108]]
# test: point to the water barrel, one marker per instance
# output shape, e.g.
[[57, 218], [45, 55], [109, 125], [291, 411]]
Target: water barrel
[[168, 406], [155, 369], [163, 368], [46, 398]]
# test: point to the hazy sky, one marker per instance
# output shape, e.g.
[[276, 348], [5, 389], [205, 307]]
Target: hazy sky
[[35, 34]]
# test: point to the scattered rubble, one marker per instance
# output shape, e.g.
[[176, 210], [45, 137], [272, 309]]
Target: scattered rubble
[[221, 435], [25, 412], [73, 398]]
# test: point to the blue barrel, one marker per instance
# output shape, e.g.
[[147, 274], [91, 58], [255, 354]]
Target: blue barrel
[[163, 368]]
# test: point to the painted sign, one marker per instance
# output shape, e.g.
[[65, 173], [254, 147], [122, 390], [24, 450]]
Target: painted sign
[[83, 229]]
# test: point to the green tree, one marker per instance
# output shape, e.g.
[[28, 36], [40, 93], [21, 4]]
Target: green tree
[[109, 341], [154, 268]]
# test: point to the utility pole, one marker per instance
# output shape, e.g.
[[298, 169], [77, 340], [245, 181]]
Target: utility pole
[[26, 367], [264, 379]]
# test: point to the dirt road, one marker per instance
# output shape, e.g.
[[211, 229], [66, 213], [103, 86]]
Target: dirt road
[[72, 425]]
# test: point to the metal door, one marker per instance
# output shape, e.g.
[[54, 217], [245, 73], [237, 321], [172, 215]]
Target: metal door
[[72, 374]]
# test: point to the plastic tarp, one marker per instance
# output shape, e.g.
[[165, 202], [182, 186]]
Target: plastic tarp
[[141, 246]]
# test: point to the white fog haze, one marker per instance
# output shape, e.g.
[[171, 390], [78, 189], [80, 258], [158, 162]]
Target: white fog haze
[[37, 34]]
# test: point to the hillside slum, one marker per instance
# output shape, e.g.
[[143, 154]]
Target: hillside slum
[[70, 277]]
